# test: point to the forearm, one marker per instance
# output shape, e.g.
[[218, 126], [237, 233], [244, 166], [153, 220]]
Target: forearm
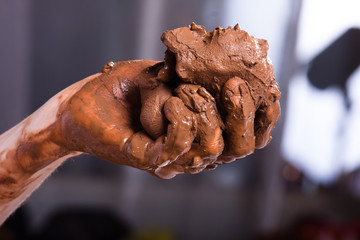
[[29, 152], [26, 159]]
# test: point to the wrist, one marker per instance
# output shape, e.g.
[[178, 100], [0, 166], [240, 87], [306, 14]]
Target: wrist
[[36, 141], [36, 148]]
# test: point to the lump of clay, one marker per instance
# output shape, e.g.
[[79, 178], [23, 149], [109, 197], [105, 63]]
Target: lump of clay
[[212, 58]]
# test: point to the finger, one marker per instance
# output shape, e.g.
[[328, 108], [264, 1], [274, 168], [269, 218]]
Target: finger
[[267, 116], [239, 120], [205, 94], [190, 162], [142, 150], [152, 117], [208, 119], [181, 130], [209, 141]]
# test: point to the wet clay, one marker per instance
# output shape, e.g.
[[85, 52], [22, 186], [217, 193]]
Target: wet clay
[[210, 59]]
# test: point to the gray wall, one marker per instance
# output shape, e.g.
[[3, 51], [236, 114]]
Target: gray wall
[[47, 45]]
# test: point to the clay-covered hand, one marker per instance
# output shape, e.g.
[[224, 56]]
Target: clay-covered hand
[[128, 116], [131, 114], [234, 67], [249, 123]]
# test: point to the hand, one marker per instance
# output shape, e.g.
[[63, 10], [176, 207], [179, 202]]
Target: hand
[[103, 119], [249, 123], [122, 115]]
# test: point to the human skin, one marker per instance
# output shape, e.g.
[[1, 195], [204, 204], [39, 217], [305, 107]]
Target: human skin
[[144, 114]]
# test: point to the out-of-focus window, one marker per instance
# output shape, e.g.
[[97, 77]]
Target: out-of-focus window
[[323, 122]]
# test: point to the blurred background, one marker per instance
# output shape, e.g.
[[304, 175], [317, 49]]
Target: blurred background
[[304, 185]]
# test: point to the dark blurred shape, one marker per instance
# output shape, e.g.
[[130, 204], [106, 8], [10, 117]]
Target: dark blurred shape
[[313, 227], [334, 65], [15, 227], [318, 229], [153, 234], [84, 224]]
